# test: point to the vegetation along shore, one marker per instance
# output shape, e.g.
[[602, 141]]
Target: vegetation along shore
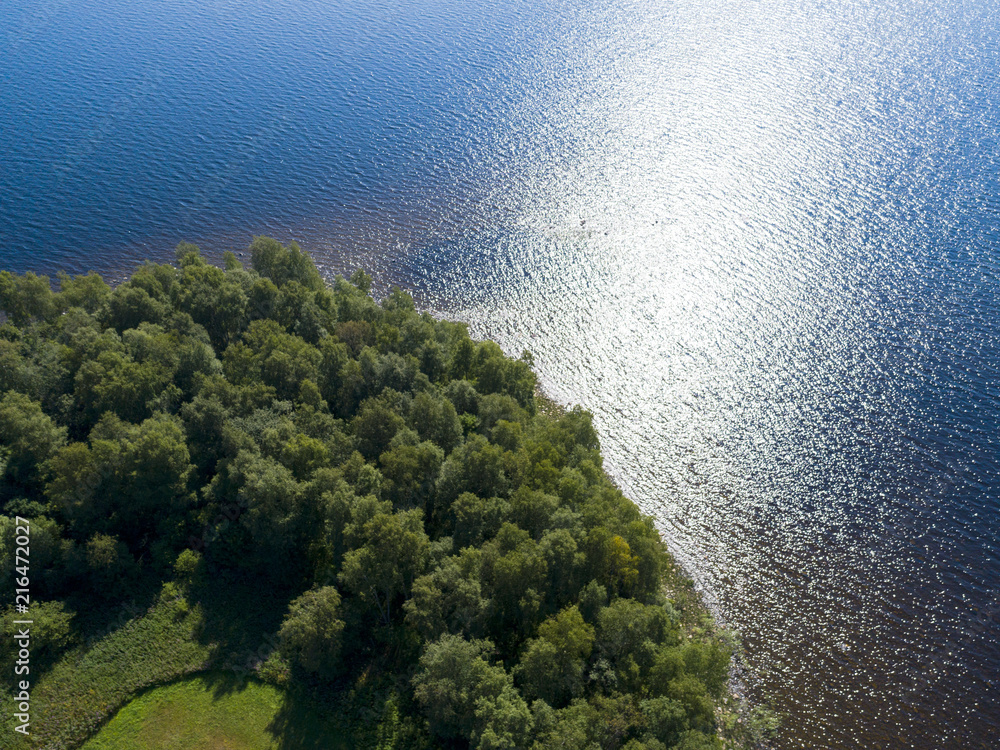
[[249, 491]]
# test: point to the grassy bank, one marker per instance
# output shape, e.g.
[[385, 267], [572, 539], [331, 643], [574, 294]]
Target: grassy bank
[[88, 685], [215, 711]]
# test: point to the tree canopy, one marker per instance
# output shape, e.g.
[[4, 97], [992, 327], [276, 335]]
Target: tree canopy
[[388, 479]]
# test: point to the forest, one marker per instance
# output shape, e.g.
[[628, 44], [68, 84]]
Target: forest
[[250, 471]]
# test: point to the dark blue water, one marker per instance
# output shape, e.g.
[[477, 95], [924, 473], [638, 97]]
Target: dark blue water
[[759, 240]]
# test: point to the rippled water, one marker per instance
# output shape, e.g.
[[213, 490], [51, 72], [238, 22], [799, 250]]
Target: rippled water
[[759, 240]]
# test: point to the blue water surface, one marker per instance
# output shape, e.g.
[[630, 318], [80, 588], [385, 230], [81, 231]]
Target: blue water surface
[[758, 239]]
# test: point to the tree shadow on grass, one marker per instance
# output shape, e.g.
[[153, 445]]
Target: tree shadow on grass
[[222, 682], [240, 618], [302, 724]]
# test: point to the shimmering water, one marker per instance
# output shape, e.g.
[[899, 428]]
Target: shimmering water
[[759, 240]]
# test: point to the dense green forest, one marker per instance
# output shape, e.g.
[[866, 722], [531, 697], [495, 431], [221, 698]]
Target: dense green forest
[[375, 508]]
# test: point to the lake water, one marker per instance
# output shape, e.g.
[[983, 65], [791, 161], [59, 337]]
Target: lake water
[[758, 239]]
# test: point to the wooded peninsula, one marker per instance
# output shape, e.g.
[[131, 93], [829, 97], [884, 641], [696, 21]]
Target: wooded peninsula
[[253, 476]]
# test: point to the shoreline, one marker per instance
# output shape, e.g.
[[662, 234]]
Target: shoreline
[[741, 721], [697, 616]]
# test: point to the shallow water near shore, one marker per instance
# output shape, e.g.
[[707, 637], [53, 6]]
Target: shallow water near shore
[[758, 240]]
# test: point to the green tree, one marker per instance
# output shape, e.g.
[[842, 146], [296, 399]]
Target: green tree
[[273, 527], [26, 297], [462, 356], [476, 519], [453, 676], [206, 425], [362, 281], [388, 552], [697, 740], [496, 373], [514, 574], [463, 396], [283, 264], [502, 721], [498, 407], [476, 466], [572, 727], [311, 632], [449, 599], [88, 292], [51, 632], [110, 566], [435, 419], [375, 426], [709, 663], [130, 305], [565, 563], [432, 361], [268, 354], [28, 437], [356, 335], [629, 635], [48, 551], [116, 383], [553, 664], [303, 455], [213, 298], [611, 561], [364, 478], [665, 718], [411, 471], [130, 481]]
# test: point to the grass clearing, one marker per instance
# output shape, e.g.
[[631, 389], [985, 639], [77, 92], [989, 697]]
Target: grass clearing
[[213, 712], [83, 700], [86, 686]]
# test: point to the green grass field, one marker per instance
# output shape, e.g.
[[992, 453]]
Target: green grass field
[[211, 712], [88, 685], [144, 685]]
